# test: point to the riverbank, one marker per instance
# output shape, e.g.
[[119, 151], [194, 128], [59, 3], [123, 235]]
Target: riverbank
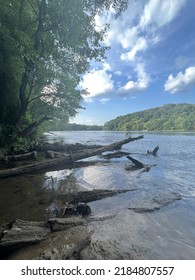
[[148, 233]]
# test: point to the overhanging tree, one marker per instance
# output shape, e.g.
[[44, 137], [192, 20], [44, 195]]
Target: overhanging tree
[[46, 45]]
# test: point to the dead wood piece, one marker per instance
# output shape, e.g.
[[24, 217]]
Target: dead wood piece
[[146, 168], [154, 151], [64, 160], [19, 233], [59, 224], [137, 163], [52, 154], [23, 233], [21, 157], [70, 245], [89, 196], [57, 246], [100, 218], [115, 155]]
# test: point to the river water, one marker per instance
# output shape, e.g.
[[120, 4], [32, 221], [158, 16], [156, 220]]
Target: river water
[[167, 233]]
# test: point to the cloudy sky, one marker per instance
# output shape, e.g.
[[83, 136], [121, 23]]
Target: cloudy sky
[[151, 61]]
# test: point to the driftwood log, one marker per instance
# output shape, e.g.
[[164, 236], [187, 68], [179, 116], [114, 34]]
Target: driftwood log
[[22, 233], [89, 196], [76, 204], [22, 157], [118, 154], [64, 160], [139, 165]]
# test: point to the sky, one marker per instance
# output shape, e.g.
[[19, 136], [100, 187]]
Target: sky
[[151, 61]]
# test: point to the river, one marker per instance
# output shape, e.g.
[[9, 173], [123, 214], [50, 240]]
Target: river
[[167, 233]]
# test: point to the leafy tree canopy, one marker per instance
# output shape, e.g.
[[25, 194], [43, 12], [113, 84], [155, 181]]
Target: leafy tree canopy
[[180, 117], [45, 47]]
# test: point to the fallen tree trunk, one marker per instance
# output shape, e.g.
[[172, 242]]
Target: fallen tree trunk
[[21, 157], [89, 196], [116, 155], [139, 165], [22, 233], [64, 160]]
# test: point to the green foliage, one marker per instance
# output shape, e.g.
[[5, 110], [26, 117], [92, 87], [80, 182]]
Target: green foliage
[[74, 126], [45, 48], [180, 117], [59, 125]]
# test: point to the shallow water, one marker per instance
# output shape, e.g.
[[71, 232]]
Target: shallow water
[[168, 233]]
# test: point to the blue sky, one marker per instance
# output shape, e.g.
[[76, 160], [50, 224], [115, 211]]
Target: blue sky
[[151, 61]]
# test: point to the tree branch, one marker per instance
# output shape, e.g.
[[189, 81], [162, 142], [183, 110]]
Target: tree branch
[[32, 127]]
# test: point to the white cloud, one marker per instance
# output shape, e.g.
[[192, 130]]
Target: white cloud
[[182, 82], [158, 13], [129, 37], [142, 82], [139, 27], [121, 30], [97, 82], [140, 45], [104, 100], [133, 33], [106, 66]]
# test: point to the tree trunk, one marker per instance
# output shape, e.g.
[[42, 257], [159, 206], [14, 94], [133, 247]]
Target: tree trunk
[[22, 157], [38, 35], [32, 127]]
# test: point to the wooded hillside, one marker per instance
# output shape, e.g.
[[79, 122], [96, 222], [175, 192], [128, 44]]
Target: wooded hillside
[[179, 117]]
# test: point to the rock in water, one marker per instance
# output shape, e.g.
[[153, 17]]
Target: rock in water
[[166, 198], [158, 201], [83, 209]]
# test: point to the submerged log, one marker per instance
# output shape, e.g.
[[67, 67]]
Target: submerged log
[[76, 204], [154, 151], [116, 155], [139, 165], [64, 160], [89, 196]]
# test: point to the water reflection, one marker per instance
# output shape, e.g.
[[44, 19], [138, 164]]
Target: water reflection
[[54, 179]]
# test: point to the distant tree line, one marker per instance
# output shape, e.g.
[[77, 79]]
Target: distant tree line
[[72, 127], [170, 117]]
